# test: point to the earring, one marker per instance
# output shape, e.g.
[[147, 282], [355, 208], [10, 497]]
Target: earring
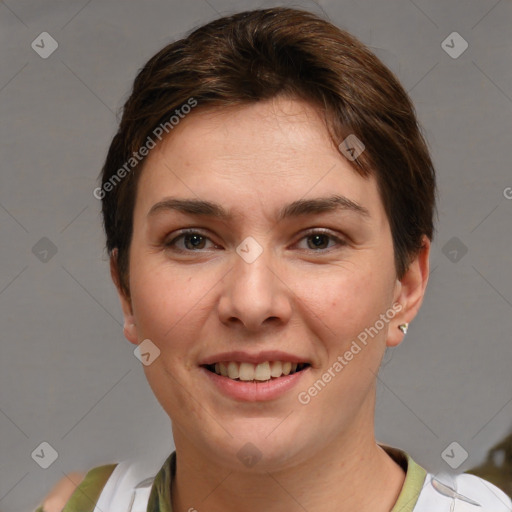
[[404, 327]]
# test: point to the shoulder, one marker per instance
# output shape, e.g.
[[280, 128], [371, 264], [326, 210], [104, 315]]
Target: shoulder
[[86, 495], [58, 496], [461, 493], [77, 491]]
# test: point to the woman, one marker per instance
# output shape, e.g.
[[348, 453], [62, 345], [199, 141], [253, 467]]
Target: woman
[[268, 204]]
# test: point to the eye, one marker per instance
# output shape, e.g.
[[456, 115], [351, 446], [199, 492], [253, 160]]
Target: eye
[[319, 238], [192, 240]]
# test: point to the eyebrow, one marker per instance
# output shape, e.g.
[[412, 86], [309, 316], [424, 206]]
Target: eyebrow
[[295, 209]]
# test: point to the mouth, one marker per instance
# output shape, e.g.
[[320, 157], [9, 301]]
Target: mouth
[[249, 372]]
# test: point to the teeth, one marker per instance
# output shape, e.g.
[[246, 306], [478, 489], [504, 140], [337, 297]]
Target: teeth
[[246, 371], [260, 372], [277, 369], [223, 369], [233, 372]]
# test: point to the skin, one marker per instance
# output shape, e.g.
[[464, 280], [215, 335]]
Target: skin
[[308, 301], [57, 498]]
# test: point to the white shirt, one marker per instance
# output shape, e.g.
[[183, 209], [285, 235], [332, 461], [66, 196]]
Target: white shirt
[[129, 487]]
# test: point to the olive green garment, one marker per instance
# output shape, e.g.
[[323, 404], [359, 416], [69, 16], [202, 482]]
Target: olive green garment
[[86, 494]]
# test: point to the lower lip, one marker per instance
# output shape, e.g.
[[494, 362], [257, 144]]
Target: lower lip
[[255, 391]]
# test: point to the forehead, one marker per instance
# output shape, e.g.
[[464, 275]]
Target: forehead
[[271, 152], [279, 131]]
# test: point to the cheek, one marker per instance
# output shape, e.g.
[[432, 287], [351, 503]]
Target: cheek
[[165, 303], [347, 302]]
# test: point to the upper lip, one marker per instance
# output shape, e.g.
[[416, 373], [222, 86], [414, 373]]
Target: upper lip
[[246, 357]]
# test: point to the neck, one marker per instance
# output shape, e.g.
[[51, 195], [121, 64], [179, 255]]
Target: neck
[[341, 477]]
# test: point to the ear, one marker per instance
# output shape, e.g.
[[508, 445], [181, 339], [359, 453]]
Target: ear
[[409, 292], [129, 330]]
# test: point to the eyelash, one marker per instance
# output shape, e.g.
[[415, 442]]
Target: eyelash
[[172, 243]]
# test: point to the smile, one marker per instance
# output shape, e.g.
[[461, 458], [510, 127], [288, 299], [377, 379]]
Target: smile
[[255, 382], [255, 372], [244, 371]]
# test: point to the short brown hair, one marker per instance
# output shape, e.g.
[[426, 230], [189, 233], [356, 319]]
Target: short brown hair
[[260, 54]]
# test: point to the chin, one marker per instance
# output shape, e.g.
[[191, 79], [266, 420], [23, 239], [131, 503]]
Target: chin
[[258, 446]]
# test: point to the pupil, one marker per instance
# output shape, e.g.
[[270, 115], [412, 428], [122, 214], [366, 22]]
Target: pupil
[[316, 238], [195, 238]]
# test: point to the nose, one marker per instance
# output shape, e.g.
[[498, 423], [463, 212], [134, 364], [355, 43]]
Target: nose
[[256, 294]]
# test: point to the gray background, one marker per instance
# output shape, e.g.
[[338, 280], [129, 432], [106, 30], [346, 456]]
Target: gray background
[[68, 376]]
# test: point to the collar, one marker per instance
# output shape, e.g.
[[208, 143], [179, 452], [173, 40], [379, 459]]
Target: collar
[[160, 497]]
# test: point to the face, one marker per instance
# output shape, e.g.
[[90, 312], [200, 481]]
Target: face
[[255, 242]]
